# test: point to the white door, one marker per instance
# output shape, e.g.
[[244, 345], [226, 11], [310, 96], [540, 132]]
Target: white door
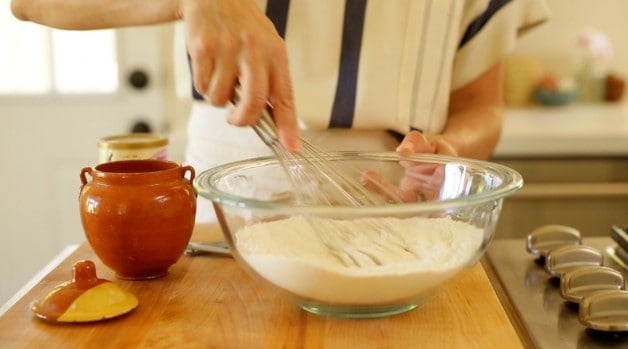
[[60, 91]]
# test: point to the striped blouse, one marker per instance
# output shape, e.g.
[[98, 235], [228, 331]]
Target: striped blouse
[[391, 64]]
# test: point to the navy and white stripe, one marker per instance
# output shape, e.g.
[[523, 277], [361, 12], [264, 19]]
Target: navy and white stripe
[[352, 29], [277, 12], [476, 26], [382, 64]]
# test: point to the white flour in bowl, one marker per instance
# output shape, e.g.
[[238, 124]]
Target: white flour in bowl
[[365, 261]]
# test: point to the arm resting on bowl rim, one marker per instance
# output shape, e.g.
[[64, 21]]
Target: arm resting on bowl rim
[[474, 123]]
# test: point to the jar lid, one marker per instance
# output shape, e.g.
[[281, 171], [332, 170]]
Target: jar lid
[[133, 141], [86, 298]]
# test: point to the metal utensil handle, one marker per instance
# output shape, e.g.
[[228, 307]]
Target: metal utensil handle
[[265, 127]]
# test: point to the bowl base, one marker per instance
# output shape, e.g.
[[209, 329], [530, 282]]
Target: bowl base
[[356, 312], [138, 277]]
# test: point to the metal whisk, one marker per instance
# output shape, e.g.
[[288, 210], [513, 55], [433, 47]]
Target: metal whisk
[[314, 176], [317, 179], [312, 169]]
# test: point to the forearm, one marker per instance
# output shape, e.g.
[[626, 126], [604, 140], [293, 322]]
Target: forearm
[[95, 14], [474, 133], [475, 116]]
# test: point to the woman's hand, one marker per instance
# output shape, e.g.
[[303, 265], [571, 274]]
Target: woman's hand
[[472, 130], [229, 42], [420, 182], [233, 42], [417, 142], [474, 122]]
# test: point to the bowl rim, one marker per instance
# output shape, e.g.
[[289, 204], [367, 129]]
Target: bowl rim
[[512, 181]]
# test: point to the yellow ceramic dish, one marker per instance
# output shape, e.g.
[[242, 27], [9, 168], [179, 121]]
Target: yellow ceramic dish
[[85, 299]]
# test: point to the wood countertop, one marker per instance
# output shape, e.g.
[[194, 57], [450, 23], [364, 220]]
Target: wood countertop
[[210, 302]]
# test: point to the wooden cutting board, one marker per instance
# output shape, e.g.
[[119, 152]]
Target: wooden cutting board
[[209, 302]]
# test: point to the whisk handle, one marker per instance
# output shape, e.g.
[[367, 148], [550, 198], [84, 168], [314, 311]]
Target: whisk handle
[[265, 126]]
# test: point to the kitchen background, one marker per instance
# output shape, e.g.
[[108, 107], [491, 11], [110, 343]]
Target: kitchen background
[[59, 95]]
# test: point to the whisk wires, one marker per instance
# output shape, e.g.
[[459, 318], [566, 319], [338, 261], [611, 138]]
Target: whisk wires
[[317, 177]]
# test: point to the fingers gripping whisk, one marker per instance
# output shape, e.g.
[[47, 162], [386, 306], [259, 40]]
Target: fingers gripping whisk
[[316, 176]]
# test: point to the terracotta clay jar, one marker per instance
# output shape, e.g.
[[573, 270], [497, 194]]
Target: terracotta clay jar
[[138, 215]]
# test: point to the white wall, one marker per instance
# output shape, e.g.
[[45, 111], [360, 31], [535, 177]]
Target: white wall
[[554, 41], [46, 140]]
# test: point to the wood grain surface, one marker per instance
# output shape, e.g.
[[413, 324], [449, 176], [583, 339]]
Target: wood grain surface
[[210, 302]]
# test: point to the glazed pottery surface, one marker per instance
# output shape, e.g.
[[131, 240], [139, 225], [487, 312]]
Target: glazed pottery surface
[[85, 298], [138, 215]]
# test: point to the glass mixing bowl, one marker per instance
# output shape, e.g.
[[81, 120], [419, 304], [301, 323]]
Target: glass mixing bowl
[[339, 259]]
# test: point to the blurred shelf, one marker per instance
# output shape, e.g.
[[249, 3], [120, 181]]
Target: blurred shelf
[[576, 130]]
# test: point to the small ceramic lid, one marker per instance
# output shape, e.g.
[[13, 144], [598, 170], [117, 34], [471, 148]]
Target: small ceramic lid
[[84, 299]]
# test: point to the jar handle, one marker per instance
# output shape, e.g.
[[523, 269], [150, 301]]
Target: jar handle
[[85, 170], [188, 168]]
